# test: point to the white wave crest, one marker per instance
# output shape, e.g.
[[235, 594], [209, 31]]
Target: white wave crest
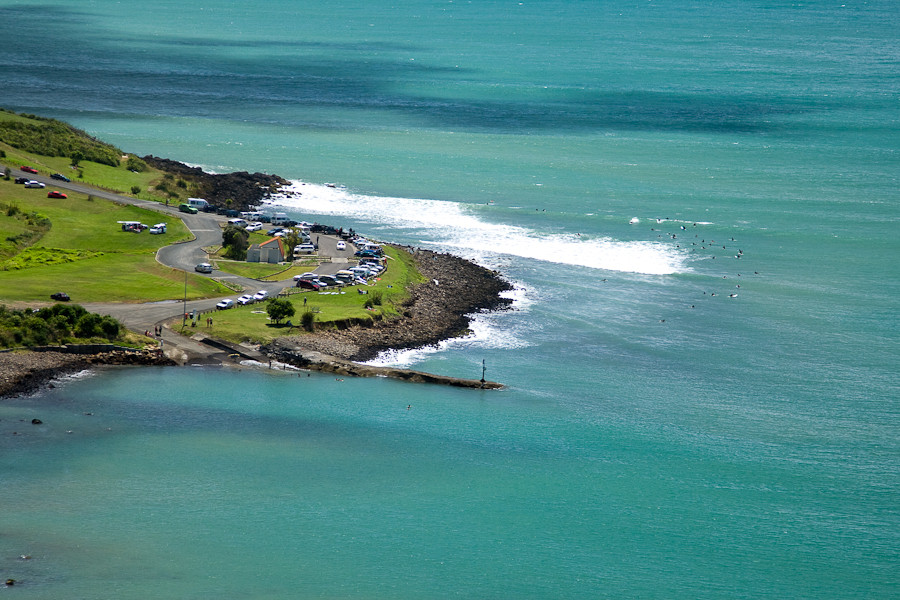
[[455, 225], [485, 332]]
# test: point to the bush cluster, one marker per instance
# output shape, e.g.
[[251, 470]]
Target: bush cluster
[[39, 257], [50, 137], [236, 241], [57, 324]]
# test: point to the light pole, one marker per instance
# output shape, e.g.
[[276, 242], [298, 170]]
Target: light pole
[[184, 304]]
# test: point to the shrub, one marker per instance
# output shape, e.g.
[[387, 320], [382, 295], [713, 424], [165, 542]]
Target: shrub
[[377, 297], [135, 190], [308, 320], [181, 183], [135, 164]]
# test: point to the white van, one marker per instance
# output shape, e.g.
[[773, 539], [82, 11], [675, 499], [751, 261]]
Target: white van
[[304, 249], [198, 203], [279, 219]]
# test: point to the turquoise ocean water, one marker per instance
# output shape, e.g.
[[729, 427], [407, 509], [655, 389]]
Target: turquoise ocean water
[[658, 438]]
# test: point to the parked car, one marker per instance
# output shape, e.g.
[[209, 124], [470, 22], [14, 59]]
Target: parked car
[[158, 228], [341, 246], [308, 284], [261, 295], [254, 226], [61, 296], [246, 299], [21, 180], [275, 230], [204, 268], [307, 276], [34, 184], [187, 208], [59, 177], [56, 194], [225, 304], [331, 281], [304, 248], [28, 169]]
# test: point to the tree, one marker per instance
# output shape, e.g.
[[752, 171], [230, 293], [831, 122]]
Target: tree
[[279, 309], [235, 240], [290, 241], [77, 157]]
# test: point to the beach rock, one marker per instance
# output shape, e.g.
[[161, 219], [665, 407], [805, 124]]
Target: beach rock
[[245, 190], [433, 313], [27, 372]]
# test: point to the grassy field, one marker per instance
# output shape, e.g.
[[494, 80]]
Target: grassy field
[[251, 323], [117, 179], [75, 245], [85, 252]]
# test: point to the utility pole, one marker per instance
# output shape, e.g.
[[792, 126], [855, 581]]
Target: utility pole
[[184, 304]]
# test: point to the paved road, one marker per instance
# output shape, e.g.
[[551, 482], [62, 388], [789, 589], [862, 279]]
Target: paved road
[[207, 231]]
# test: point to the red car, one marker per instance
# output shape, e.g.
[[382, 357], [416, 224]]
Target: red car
[[28, 169], [55, 194]]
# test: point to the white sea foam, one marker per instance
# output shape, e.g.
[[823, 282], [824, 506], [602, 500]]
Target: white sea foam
[[486, 332], [457, 226]]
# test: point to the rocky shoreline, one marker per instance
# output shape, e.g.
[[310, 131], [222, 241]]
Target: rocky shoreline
[[27, 372], [437, 309], [244, 190]]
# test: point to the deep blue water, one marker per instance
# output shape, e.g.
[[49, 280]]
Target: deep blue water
[[655, 440]]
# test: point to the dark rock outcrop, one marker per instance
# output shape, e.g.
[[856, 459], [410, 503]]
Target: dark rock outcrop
[[243, 189], [437, 309]]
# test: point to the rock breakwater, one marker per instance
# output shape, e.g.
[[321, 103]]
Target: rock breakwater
[[26, 372], [436, 310]]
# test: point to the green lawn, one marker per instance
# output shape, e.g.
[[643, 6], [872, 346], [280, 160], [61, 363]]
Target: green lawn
[[250, 323], [118, 179], [107, 264], [113, 277]]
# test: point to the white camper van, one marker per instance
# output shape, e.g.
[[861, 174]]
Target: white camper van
[[198, 203]]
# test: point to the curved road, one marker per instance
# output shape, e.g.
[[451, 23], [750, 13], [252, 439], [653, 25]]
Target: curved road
[[184, 256]]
